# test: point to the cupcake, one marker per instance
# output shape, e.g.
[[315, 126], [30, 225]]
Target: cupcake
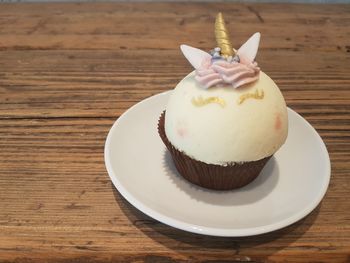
[[224, 120]]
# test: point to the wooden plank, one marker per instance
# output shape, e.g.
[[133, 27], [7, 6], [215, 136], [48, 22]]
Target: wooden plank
[[106, 83], [111, 26]]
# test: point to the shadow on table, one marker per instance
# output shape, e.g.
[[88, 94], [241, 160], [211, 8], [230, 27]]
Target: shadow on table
[[170, 237]]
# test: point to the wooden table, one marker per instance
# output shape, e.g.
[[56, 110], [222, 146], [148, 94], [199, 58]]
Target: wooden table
[[67, 71]]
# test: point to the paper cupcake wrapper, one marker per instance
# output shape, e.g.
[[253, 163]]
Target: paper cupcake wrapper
[[211, 176]]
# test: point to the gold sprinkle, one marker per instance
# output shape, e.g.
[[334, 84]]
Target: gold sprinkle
[[199, 101], [258, 95], [222, 37]]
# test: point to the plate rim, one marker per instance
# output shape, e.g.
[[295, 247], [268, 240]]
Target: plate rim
[[204, 230]]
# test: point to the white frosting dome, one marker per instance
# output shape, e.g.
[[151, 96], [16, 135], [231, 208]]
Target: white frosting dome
[[221, 134]]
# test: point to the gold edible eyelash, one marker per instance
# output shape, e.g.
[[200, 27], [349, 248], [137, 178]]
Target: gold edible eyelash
[[199, 101], [258, 95]]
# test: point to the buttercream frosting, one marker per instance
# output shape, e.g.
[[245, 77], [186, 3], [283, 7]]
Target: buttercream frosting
[[220, 72], [223, 128]]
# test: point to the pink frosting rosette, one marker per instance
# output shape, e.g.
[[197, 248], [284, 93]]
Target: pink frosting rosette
[[213, 70], [223, 72]]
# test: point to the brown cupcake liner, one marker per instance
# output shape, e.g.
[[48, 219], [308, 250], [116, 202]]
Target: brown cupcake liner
[[211, 176]]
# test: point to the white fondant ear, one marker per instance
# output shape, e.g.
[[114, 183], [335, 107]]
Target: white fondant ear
[[249, 49], [194, 55]]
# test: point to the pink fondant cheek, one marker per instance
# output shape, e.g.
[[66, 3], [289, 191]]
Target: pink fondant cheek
[[181, 132], [181, 129], [278, 122]]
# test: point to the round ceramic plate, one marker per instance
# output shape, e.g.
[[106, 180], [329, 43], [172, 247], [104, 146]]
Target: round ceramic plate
[[290, 186]]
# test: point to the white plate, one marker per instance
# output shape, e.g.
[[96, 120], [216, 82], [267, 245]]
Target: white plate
[[291, 185]]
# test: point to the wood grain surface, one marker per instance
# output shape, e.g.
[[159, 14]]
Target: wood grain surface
[[68, 71]]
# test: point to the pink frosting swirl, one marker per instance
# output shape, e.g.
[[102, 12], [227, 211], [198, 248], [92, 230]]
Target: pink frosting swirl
[[223, 72]]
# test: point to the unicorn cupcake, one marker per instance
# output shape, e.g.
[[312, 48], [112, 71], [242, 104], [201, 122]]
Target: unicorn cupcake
[[227, 118]]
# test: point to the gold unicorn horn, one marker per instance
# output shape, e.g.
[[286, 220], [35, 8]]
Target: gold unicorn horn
[[222, 37]]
